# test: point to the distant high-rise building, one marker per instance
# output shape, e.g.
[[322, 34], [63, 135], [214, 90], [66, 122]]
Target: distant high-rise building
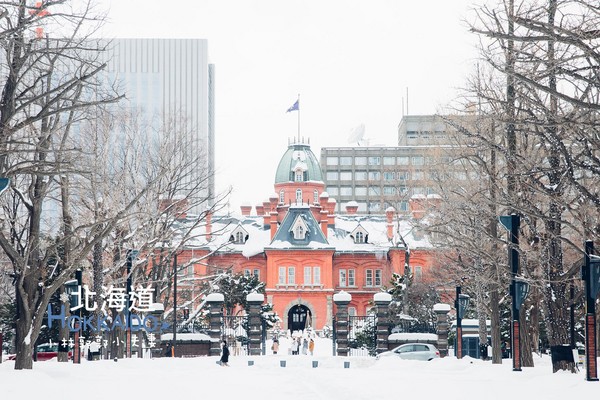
[[169, 84]]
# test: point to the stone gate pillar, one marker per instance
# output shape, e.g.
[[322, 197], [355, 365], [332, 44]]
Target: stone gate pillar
[[254, 301], [382, 301], [215, 304], [441, 311], [341, 300]]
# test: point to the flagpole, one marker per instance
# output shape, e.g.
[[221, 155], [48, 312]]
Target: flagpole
[[298, 117]]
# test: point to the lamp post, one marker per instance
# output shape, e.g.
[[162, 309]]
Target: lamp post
[[174, 305], [512, 223], [460, 304], [590, 274], [131, 255]]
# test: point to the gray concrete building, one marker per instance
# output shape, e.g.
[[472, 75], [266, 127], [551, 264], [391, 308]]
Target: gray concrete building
[[379, 177]]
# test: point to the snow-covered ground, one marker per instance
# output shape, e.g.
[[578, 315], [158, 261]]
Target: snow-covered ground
[[367, 378]]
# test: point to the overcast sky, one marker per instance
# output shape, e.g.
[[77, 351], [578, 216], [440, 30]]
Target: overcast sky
[[351, 61]]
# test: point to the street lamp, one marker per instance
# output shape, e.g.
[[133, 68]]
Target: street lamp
[[512, 223], [590, 273], [460, 304], [131, 255], [521, 289]]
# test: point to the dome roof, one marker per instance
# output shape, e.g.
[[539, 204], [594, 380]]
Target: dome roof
[[298, 156]]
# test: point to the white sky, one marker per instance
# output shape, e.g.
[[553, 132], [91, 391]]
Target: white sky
[[367, 378], [351, 61]]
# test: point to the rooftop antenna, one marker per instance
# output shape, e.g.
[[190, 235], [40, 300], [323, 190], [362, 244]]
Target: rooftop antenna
[[357, 134]]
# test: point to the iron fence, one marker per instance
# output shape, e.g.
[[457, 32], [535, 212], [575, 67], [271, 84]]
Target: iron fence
[[235, 332], [362, 335]]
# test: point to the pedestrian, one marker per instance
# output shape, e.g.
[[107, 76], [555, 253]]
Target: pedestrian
[[225, 355], [295, 346], [311, 346], [275, 346], [305, 346]]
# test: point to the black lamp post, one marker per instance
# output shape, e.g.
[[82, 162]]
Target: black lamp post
[[460, 304], [131, 255], [590, 274], [512, 223]]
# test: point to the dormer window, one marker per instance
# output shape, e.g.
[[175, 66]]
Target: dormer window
[[360, 235], [299, 175], [239, 235], [299, 228]]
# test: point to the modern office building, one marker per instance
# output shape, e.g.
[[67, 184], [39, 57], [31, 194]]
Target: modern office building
[[169, 84], [379, 177]]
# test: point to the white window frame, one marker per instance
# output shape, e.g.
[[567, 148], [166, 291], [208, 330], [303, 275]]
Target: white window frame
[[342, 275], [282, 276], [369, 278], [378, 278], [256, 273], [316, 196], [308, 276], [351, 277], [299, 196], [298, 175], [316, 275], [291, 275], [281, 196]]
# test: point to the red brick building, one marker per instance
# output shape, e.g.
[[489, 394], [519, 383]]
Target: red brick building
[[304, 252]]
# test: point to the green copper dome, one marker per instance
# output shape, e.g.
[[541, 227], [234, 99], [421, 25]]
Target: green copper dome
[[298, 158]]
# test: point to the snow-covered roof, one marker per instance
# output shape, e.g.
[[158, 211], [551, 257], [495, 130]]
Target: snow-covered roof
[[338, 235]]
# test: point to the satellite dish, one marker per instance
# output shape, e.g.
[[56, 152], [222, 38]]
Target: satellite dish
[[357, 134]]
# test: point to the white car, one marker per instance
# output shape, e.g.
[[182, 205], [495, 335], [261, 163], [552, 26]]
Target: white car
[[413, 351]]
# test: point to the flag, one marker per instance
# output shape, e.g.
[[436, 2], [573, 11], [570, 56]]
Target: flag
[[295, 107]]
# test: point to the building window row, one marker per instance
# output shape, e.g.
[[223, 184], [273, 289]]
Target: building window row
[[287, 276], [377, 175], [255, 272], [347, 278], [375, 160]]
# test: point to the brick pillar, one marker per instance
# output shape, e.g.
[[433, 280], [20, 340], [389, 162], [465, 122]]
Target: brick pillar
[[441, 312], [382, 301], [254, 301], [341, 300], [215, 304]]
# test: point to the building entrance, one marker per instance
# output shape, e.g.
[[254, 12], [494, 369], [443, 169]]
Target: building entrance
[[299, 318]]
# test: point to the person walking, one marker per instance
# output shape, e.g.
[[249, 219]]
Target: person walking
[[275, 346], [295, 346], [225, 355], [305, 346], [311, 346]]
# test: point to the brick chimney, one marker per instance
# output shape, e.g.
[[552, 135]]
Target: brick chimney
[[267, 207], [273, 199], [324, 222], [175, 206], [331, 211], [389, 216], [246, 210], [260, 210], [273, 224], [351, 207], [208, 219], [417, 206]]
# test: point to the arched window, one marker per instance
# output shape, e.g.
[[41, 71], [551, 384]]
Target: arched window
[[299, 196], [281, 197], [239, 237], [360, 237], [316, 196]]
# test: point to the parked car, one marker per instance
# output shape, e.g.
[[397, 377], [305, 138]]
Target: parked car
[[413, 351], [45, 352]]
